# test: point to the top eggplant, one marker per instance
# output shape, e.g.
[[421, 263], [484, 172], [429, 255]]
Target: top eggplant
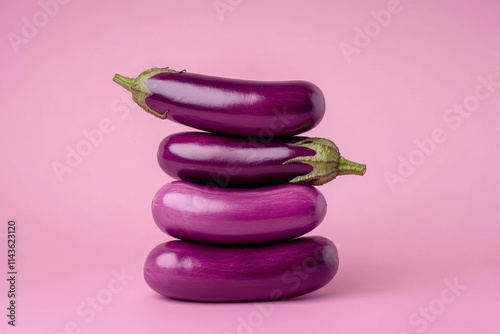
[[228, 106]]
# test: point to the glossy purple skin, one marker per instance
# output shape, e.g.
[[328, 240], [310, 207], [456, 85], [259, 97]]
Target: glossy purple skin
[[237, 216], [224, 161], [204, 273], [236, 107]]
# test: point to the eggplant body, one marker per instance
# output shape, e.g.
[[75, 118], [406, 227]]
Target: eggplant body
[[237, 216], [228, 106], [225, 161], [206, 273]]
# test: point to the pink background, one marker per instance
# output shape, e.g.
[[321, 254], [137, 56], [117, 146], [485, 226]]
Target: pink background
[[398, 244]]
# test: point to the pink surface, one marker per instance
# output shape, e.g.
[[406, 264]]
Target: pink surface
[[424, 217]]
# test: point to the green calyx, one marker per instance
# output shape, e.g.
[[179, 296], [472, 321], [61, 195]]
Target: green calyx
[[137, 86], [327, 163]]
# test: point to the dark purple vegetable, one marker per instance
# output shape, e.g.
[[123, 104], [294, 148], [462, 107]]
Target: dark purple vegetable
[[226, 161], [196, 272], [228, 106], [237, 216]]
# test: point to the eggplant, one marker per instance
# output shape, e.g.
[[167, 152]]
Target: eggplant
[[237, 216], [225, 161], [228, 106], [207, 273]]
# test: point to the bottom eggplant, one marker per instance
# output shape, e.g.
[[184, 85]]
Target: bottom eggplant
[[205, 273]]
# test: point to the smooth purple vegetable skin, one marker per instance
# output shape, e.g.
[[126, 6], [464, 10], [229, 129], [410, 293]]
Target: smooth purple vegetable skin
[[205, 273], [228, 106], [237, 216], [226, 161]]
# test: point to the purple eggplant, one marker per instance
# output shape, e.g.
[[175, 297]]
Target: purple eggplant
[[205, 273], [228, 106], [225, 161], [237, 216]]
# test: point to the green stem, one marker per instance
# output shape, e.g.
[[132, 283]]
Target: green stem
[[125, 82], [346, 167]]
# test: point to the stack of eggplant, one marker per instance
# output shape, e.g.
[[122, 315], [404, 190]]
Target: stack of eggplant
[[245, 192]]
